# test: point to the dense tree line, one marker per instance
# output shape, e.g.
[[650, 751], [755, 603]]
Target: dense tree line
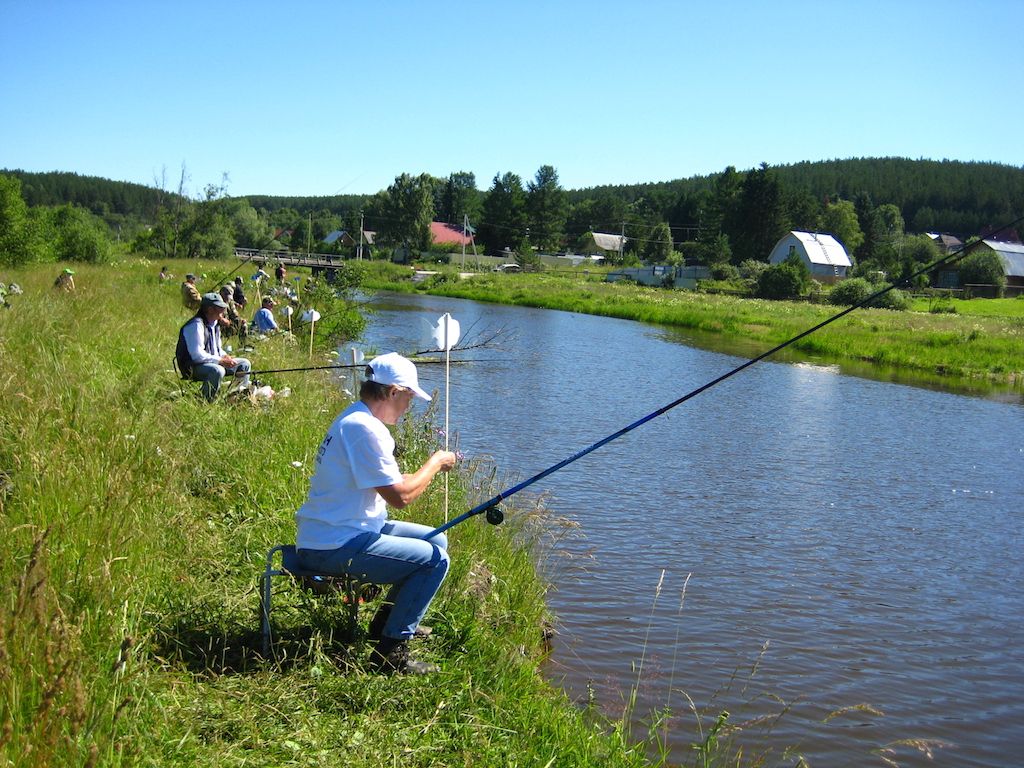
[[726, 219]]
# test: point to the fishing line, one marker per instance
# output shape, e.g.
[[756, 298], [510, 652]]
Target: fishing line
[[495, 516], [358, 365]]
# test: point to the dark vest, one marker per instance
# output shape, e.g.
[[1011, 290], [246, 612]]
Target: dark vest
[[181, 354]]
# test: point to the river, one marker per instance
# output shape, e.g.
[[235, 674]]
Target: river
[[834, 560]]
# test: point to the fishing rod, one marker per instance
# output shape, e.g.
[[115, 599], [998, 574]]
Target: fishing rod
[[495, 516], [347, 365]]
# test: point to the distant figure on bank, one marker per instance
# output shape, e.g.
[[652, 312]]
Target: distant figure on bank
[[279, 273], [259, 276], [239, 294], [65, 280], [199, 353], [165, 275], [234, 324], [344, 527], [190, 294], [263, 321]]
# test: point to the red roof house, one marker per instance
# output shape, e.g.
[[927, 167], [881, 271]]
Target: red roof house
[[448, 234]]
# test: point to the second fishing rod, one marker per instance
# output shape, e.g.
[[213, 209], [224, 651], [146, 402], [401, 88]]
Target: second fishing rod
[[494, 514]]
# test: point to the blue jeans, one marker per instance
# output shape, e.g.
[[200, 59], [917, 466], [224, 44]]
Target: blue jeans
[[399, 556], [211, 375]]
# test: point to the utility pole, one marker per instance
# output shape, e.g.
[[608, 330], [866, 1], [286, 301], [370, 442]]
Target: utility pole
[[622, 243], [465, 224], [309, 235], [359, 252]]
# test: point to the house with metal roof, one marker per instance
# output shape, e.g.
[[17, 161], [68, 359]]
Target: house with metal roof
[[945, 243], [339, 236], [1012, 256], [601, 244], [824, 256]]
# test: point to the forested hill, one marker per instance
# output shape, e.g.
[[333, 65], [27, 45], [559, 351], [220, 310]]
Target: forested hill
[[101, 196], [947, 196], [335, 203]]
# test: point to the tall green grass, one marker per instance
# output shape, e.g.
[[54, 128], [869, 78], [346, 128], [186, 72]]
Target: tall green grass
[[137, 521]]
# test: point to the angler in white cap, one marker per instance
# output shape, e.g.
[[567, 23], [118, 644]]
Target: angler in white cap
[[343, 527]]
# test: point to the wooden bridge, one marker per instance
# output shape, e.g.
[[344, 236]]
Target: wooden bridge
[[290, 258]]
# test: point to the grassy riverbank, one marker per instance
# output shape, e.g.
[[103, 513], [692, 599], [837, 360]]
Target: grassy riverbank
[[137, 523], [982, 342]]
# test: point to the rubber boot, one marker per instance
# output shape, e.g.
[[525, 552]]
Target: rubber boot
[[391, 656], [380, 620]]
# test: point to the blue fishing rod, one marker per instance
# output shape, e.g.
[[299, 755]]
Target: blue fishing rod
[[495, 516]]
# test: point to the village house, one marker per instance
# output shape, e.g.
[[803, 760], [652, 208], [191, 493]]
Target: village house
[[602, 244], [825, 257], [449, 234]]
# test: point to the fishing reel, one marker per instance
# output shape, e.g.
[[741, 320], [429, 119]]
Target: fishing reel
[[494, 515]]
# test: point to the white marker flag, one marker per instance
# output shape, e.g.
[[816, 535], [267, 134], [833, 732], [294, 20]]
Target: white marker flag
[[446, 333]]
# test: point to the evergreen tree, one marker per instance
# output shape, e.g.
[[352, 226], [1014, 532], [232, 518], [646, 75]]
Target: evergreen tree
[[459, 198], [720, 202], [546, 208], [759, 219], [504, 213]]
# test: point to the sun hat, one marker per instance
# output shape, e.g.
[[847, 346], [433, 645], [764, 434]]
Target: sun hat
[[392, 368], [68, 271], [190, 276], [212, 300]]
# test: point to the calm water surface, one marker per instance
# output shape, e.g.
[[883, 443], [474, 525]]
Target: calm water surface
[[823, 543]]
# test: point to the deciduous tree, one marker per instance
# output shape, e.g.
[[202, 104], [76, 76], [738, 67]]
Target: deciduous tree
[[839, 219], [406, 210], [19, 240]]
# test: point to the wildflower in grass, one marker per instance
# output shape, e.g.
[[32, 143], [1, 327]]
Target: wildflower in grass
[[297, 464]]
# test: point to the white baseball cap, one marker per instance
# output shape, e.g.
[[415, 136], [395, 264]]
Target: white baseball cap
[[392, 368]]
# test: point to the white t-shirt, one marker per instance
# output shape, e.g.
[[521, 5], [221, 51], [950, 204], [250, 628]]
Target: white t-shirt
[[356, 457]]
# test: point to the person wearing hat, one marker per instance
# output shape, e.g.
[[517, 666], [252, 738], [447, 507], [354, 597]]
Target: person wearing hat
[[190, 294], [263, 321], [343, 528], [234, 324], [199, 353], [65, 280]]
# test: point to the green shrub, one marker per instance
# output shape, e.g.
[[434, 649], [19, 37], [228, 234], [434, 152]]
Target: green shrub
[[982, 268], [724, 271], [856, 289], [752, 269], [786, 280], [851, 291]]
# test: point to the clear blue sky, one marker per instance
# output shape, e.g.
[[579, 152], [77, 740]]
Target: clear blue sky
[[321, 98]]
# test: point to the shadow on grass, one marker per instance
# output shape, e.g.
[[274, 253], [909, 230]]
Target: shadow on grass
[[218, 650]]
